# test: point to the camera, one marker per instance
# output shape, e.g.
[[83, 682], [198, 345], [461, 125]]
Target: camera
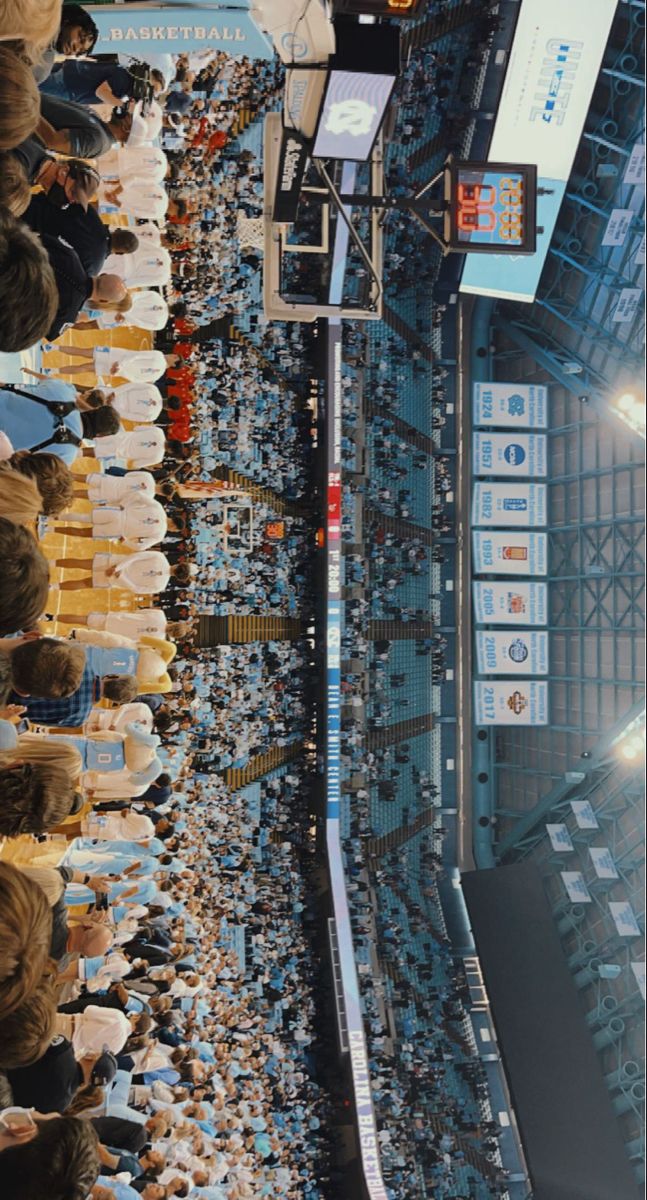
[[142, 89]]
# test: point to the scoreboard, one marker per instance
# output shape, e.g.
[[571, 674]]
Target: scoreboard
[[378, 8], [491, 208]]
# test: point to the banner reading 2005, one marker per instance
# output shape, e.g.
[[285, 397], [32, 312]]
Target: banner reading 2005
[[518, 602], [515, 552]]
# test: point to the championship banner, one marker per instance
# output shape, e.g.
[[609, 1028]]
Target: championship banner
[[509, 454], [560, 838], [523, 652], [510, 405], [175, 28], [509, 504], [624, 919], [604, 866], [585, 818], [509, 553], [575, 885], [511, 702], [516, 603]]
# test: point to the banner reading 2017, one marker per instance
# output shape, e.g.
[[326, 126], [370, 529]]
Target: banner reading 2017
[[511, 702]]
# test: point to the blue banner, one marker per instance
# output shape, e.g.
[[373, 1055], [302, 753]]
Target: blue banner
[[172, 29]]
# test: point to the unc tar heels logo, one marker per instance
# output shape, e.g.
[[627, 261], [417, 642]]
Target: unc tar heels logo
[[350, 116]]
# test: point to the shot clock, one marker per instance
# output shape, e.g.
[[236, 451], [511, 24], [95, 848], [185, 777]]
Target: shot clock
[[490, 208]]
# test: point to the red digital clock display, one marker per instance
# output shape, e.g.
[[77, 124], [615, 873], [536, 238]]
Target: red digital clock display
[[491, 208]]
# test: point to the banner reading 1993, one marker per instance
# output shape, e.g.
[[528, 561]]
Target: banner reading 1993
[[509, 453], [510, 405], [511, 702], [514, 552], [509, 504], [521, 652]]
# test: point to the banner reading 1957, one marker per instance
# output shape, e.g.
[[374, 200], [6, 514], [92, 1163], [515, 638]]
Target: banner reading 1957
[[509, 453]]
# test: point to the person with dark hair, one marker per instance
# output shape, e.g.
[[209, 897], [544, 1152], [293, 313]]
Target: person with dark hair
[[59, 1160], [28, 292], [95, 82], [82, 228], [24, 579], [76, 129], [76, 287], [57, 683], [77, 34]]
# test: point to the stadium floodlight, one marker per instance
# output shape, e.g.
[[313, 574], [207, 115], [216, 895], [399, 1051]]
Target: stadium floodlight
[[630, 407], [630, 744]]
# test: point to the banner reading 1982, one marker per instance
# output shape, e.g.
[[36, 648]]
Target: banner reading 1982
[[509, 504]]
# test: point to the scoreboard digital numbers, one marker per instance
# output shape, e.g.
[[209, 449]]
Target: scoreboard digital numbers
[[491, 208]]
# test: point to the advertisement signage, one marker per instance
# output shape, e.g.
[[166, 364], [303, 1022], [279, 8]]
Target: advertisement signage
[[575, 885], [511, 702], [173, 29], [518, 602], [293, 162], [509, 504], [560, 838], [510, 405], [509, 553], [553, 68], [509, 454], [522, 652]]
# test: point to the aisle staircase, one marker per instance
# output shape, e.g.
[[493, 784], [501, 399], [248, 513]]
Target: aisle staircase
[[390, 734]]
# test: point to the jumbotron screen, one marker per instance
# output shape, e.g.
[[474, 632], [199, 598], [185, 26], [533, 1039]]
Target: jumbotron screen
[[354, 104]]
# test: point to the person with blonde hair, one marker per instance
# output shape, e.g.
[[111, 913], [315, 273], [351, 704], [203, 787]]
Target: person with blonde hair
[[35, 22], [19, 98], [20, 499], [147, 658], [25, 937], [52, 477]]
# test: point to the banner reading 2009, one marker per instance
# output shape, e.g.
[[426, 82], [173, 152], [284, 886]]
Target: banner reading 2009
[[515, 552], [521, 652]]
